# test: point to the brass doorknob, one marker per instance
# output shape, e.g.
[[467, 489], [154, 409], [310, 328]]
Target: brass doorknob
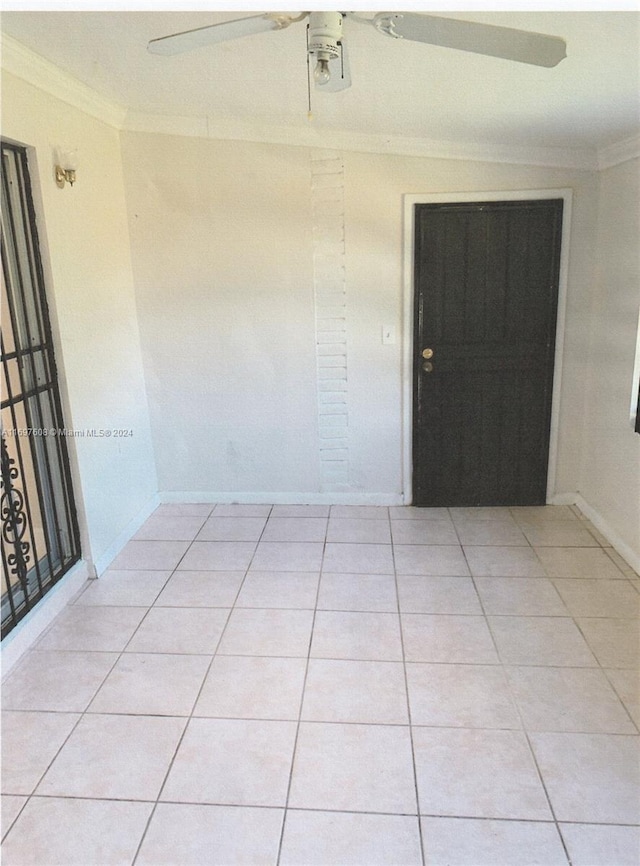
[[427, 353]]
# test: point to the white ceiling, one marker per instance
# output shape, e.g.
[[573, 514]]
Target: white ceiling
[[400, 88]]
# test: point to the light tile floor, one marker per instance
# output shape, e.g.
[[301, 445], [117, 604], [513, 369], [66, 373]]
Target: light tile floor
[[303, 685]]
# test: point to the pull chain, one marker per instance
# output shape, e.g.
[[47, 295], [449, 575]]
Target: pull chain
[[309, 113]]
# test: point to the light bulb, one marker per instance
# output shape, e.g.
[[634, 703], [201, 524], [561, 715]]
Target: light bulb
[[321, 73]]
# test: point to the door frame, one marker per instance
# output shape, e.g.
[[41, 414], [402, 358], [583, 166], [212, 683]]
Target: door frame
[[409, 201]]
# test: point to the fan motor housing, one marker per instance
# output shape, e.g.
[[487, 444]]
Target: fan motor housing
[[325, 32]]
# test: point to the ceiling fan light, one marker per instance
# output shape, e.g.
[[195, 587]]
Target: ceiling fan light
[[322, 73], [323, 41]]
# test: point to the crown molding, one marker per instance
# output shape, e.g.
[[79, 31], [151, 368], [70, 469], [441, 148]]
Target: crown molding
[[313, 136], [619, 152], [20, 61]]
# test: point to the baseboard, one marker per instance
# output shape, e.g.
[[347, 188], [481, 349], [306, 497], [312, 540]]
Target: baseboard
[[105, 560], [631, 556], [29, 629], [563, 499], [248, 498]]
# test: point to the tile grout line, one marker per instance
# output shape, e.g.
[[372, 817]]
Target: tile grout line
[[603, 670], [516, 706], [464, 817], [302, 697], [482, 727], [171, 574], [408, 701], [617, 694], [189, 718], [28, 797]]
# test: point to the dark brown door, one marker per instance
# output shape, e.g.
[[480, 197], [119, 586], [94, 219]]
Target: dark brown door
[[486, 296]]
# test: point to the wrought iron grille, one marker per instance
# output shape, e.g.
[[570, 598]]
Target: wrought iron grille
[[39, 538]]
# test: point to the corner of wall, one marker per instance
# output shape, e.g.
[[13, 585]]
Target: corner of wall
[[29, 629], [631, 556]]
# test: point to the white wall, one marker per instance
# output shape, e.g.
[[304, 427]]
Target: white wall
[[222, 247], [610, 476], [85, 242], [223, 272]]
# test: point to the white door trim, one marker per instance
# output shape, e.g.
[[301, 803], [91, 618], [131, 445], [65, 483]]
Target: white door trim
[[411, 199]]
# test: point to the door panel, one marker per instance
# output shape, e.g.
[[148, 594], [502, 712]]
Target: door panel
[[486, 288]]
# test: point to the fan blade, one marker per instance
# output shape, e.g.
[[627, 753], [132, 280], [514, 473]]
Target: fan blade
[[340, 73], [505, 42], [201, 36]]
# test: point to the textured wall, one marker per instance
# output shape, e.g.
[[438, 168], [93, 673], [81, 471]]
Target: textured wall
[[610, 478], [264, 277], [85, 243]]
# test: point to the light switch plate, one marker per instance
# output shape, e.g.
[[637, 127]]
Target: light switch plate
[[388, 335]]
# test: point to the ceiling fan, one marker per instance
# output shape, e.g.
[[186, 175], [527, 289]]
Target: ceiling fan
[[325, 41]]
